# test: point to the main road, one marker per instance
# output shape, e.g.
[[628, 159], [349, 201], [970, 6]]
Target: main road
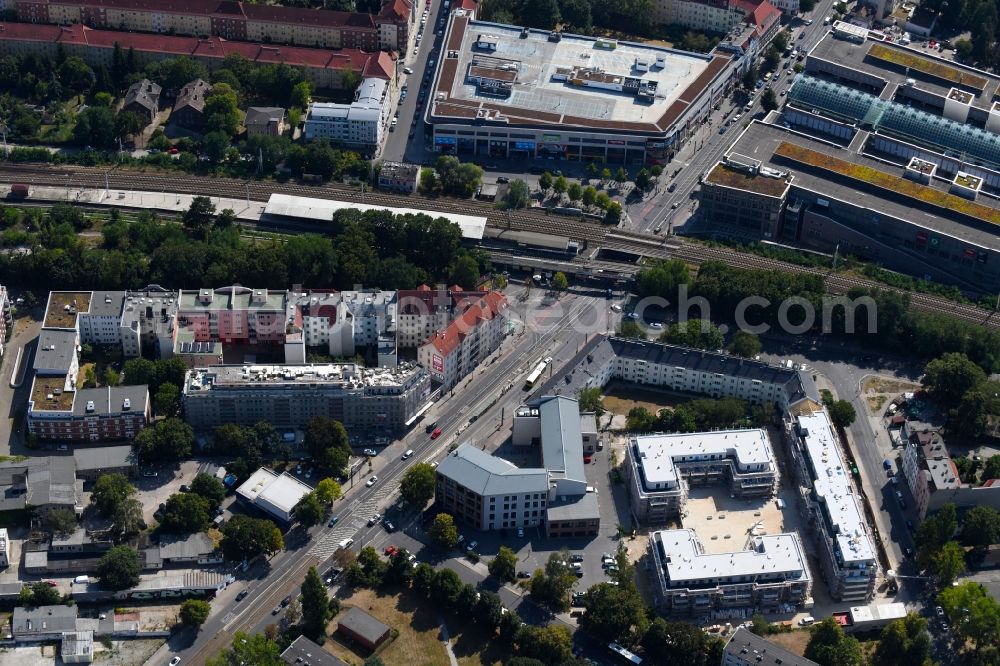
[[541, 328]]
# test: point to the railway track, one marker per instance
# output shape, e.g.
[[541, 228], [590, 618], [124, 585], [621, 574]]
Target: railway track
[[596, 235]]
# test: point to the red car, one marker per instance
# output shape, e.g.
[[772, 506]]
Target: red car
[[174, 151], [51, 583], [390, 550], [587, 459], [436, 433]]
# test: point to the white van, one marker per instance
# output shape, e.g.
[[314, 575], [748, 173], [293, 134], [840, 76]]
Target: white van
[[409, 452], [807, 620], [82, 579], [346, 543]]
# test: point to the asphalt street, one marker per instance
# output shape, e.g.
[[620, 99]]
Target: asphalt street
[[554, 327]]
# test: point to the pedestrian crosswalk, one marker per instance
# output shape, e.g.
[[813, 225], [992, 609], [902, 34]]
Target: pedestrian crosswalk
[[353, 518]]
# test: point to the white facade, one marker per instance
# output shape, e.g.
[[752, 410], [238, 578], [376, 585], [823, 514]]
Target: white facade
[[4, 548], [452, 353], [360, 123]]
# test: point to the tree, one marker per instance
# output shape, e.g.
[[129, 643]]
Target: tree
[[621, 176], [194, 612], [443, 531], [560, 185], [574, 191], [222, 112], [62, 521], [745, 344], [972, 612], [613, 213], [662, 278], [210, 488], [949, 563], [697, 333], [589, 400], [309, 510], [605, 174], [109, 490], [991, 468], [642, 180], [559, 281], [215, 145], [981, 527], [465, 272], [423, 579], [373, 660], [328, 491], [552, 644], [614, 613], [545, 181], [503, 567], [128, 123], [326, 440], [428, 180], [589, 195], [679, 643], [904, 643], [169, 439], [829, 646], [185, 513], [769, 100], [257, 650], [842, 413], [933, 533], [602, 200], [199, 215], [417, 486], [301, 94], [118, 568], [630, 329], [244, 538], [315, 605], [95, 126], [76, 75], [400, 569], [446, 588], [489, 609], [550, 586], [518, 194], [592, 170], [127, 518], [38, 594], [949, 377]]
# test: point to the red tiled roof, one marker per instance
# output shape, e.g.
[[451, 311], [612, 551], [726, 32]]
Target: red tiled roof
[[367, 64], [468, 5], [763, 16], [395, 9], [308, 17], [486, 308]]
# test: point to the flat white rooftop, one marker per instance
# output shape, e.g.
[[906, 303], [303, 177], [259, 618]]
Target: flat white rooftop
[[878, 613], [309, 208], [281, 491], [832, 486], [770, 557], [658, 454], [538, 58]]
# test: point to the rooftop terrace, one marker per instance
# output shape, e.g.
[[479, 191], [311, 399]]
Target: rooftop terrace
[[63, 307], [741, 180], [42, 387], [916, 62]]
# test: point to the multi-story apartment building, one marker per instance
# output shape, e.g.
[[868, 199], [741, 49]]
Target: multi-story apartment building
[[833, 510], [660, 467], [234, 315], [57, 408], [932, 476], [721, 16], [398, 177], [771, 571], [490, 493], [423, 311], [324, 68], [376, 400], [453, 352], [360, 124], [388, 30]]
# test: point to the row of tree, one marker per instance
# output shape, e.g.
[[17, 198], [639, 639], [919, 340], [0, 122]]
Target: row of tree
[[897, 325], [371, 248], [963, 389], [699, 416], [633, 17], [942, 539]]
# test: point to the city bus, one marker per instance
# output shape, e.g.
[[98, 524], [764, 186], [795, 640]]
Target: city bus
[[624, 655], [529, 383]]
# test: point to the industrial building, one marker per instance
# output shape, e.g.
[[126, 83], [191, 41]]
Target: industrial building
[[770, 572], [371, 400], [272, 493], [660, 468], [490, 493], [533, 94]]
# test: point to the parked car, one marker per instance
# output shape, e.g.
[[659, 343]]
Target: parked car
[[436, 433], [370, 452], [524, 574], [374, 519], [387, 524], [520, 532], [371, 481], [149, 475], [471, 548], [242, 595], [333, 521]]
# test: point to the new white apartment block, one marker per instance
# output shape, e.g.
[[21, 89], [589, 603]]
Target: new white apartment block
[[659, 468], [836, 519], [771, 571], [361, 123]]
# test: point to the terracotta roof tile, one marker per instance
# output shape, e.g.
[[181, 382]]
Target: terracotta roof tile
[[486, 308]]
